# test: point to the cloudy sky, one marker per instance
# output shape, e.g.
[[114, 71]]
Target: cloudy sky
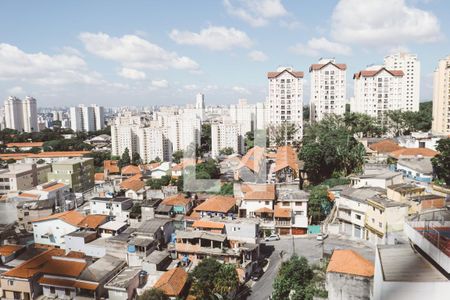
[[145, 53]]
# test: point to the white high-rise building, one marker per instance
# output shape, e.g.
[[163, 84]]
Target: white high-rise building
[[200, 106], [328, 89], [441, 98], [285, 101], [21, 115], [151, 144], [87, 118], [224, 135], [183, 129], [377, 91], [410, 66], [243, 114]]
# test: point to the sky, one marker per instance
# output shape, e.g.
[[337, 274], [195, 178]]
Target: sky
[[145, 53]]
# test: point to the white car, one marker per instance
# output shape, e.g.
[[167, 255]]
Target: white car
[[272, 237], [321, 236]]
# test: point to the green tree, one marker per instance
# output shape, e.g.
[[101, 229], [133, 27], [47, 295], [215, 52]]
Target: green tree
[[177, 156], [318, 203], [227, 189], [158, 183], [306, 113], [207, 170], [279, 134], [99, 157], [226, 151], [35, 150], [205, 139], [202, 279], [441, 162], [363, 125], [226, 280], [136, 160], [153, 294], [125, 160]]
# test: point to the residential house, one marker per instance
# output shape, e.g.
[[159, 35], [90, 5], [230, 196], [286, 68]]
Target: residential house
[[119, 208], [93, 222], [111, 167], [179, 203], [254, 198], [22, 177], [422, 203], [283, 219], [286, 167], [134, 188], [297, 202], [123, 286], [173, 283], [52, 229], [78, 241], [77, 173], [9, 252], [112, 228], [349, 276], [376, 177], [163, 169], [253, 167], [419, 169], [217, 206], [413, 153], [384, 220], [130, 171], [30, 210]]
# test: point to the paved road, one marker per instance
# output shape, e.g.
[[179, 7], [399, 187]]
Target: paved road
[[308, 247]]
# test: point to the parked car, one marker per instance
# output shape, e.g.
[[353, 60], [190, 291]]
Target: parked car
[[321, 236], [257, 275], [272, 237]]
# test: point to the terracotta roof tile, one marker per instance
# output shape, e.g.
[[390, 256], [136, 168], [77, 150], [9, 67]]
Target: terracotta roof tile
[[264, 210], [99, 176], [29, 196], [28, 144], [131, 170], [54, 187], [71, 217], [93, 221], [281, 212], [286, 157], [208, 224], [253, 159], [132, 184], [6, 250], [371, 73], [296, 74], [33, 266], [350, 262], [315, 67], [385, 146], [178, 199], [172, 282], [50, 154], [67, 283], [222, 204], [425, 152], [111, 166], [258, 191]]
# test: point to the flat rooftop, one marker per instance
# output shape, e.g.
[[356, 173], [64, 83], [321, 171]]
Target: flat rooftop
[[123, 279], [402, 263]]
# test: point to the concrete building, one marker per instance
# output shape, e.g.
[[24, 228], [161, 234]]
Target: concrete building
[[118, 208], [378, 90], [152, 145], [22, 177], [410, 65], [77, 173], [376, 177], [21, 115], [285, 101], [200, 106], [124, 284], [243, 114], [418, 169], [328, 89], [349, 276], [297, 202], [441, 94], [227, 135], [87, 118]]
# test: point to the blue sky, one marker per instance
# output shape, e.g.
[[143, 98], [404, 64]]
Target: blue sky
[[146, 53]]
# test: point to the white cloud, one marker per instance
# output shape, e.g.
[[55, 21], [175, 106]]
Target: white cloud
[[131, 74], [213, 38], [190, 87], [160, 83], [318, 46], [16, 90], [256, 55], [240, 90], [257, 13], [41, 68], [291, 25], [134, 52], [381, 24]]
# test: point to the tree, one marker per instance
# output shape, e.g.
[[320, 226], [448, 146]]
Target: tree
[[279, 134], [99, 157], [441, 162], [35, 150], [205, 139], [136, 160], [177, 156], [318, 203], [226, 280], [227, 189], [306, 113], [261, 139], [330, 150], [158, 183], [202, 279], [207, 170], [226, 151], [125, 160], [363, 125], [153, 294]]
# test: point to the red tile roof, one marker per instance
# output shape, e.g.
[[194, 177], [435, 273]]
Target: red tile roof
[[50, 154], [371, 73], [350, 262], [111, 166], [72, 217], [264, 210], [93, 221], [296, 74], [54, 187], [6, 250], [23, 145], [385, 146], [253, 159], [99, 176], [258, 191], [178, 199], [221, 204], [208, 224], [405, 152], [315, 67], [281, 212], [131, 170], [133, 184], [34, 265], [172, 282], [67, 283], [286, 157]]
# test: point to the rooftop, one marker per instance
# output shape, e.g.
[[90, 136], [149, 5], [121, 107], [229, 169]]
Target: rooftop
[[258, 191], [7, 250], [113, 225], [198, 234], [178, 199], [385, 146], [384, 202], [152, 226], [287, 195], [406, 187], [286, 157], [422, 165], [208, 224], [425, 152], [360, 195], [101, 269], [93, 221], [350, 262], [172, 282], [402, 263], [123, 279], [71, 217], [218, 203]]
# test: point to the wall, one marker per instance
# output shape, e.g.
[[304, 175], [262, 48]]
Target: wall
[[57, 227], [344, 286]]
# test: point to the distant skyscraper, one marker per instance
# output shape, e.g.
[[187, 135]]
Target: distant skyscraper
[[441, 98], [285, 101], [243, 114], [21, 115], [328, 89], [87, 118], [410, 66], [226, 136], [200, 106], [377, 91]]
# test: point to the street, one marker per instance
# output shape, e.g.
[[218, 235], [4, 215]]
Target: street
[[308, 247]]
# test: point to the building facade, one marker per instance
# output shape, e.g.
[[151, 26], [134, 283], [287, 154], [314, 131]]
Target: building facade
[[441, 96], [226, 135], [21, 115], [87, 118], [77, 173], [328, 89], [21, 177]]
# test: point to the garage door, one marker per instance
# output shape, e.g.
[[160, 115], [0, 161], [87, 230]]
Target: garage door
[[284, 231], [298, 231]]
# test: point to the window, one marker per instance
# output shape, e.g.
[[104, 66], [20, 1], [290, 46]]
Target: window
[[11, 282], [52, 290], [267, 202], [358, 217], [67, 292], [380, 224]]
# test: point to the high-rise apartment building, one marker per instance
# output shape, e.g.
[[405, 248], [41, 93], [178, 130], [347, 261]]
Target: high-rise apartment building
[[152, 144], [410, 66], [200, 106], [328, 89], [226, 135], [87, 118], [21, 115], [441, 98], [377, 91], [285, 101], [243, 114]]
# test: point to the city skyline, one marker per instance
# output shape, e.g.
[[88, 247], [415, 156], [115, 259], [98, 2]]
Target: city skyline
[[222, 49]]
